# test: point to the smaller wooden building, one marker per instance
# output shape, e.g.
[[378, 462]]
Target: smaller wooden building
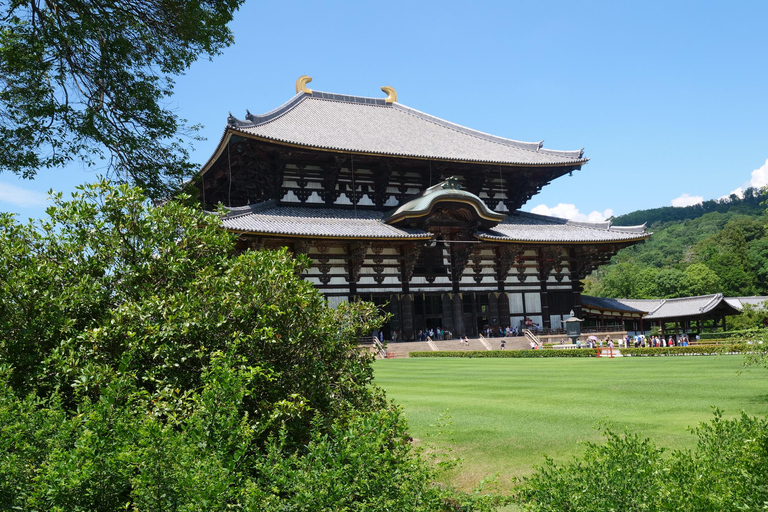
[[672, 316]]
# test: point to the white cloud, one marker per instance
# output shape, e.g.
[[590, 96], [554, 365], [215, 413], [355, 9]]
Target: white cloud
[[22, 197], [758, 180], [760, 176], [569, 211], [687, 200]]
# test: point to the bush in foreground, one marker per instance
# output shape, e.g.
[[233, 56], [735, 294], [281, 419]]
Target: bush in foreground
[[726, 471], [144, 366]]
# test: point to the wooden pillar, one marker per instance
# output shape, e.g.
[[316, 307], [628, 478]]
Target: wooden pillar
[[396, 322], [407, 319], [448, 323], [458, 315], [493, 310], [545, 322], [503, 309]]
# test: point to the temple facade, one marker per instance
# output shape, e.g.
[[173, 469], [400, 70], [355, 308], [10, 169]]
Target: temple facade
[[417, 214]]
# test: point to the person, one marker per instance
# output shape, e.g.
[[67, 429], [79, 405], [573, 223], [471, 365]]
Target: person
[[466, 340], [394, 336], [533, 345], [503, 343], [578, 343]]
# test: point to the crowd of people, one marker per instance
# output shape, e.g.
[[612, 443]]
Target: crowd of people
[[434, 334], [637, 341]]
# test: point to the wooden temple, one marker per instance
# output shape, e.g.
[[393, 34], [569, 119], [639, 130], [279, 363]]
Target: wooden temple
[[412, 212]]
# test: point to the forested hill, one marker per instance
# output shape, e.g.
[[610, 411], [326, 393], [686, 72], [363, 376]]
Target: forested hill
[[749, 205], [718, 246]]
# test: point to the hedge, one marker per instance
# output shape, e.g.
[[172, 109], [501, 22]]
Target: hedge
[[591, 352], [697, 350], [576, 352], [747, 333]]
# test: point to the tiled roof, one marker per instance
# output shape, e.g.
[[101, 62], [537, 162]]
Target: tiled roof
[[659, 309], [739, 302], [446, 191], [269, 218], [369, 125], [609, 304], [530, 227]]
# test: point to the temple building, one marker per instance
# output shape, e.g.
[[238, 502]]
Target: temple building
[[417, 214]]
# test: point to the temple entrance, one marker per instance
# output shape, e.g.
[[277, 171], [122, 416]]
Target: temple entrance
[[481, 314], [428, 311]]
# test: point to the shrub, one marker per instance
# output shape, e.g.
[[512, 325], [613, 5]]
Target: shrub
[[145, 366], [726, 471]]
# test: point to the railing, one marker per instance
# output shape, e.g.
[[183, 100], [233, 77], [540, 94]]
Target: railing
[[528, 334], [546, 331], [379, 347], [432, 345], [484, 342], [603, 328]]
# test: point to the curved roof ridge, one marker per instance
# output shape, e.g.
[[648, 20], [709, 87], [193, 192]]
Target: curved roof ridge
[[548, 218], [717, 298], [605, 225], [639, 228], [710, 296], [252, 120], [528, 146], [572, 153], [255, 120], [658, 307]]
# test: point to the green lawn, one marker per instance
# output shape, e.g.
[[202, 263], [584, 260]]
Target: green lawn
[[508, 413]]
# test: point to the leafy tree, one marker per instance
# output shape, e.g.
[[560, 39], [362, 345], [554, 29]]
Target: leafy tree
[[146, 366], [87, 80], [701, 280]]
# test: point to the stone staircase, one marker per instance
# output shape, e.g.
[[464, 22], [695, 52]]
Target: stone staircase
[[403, 348]]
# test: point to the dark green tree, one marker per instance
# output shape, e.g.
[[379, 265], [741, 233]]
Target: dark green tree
[[701, 280], [88, 80], [145, 365]]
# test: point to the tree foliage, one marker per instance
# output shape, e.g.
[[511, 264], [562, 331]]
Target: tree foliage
[[750, 204], [726, 471], [145, 366], [88, 80], [714, 253]]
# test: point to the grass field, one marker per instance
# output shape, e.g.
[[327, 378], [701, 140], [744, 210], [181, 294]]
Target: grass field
[[508, 413]]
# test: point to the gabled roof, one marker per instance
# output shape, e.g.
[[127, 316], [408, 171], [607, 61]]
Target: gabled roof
[[740, 302], [609, 304], [446, 192], [354, 124], [269, 218], [530, 227], [660, 309]]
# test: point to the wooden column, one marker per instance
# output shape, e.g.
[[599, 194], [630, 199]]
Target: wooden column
[[493, 310], [503, 309], [406, 303], [396, 322], [448, 316], [458, 315]]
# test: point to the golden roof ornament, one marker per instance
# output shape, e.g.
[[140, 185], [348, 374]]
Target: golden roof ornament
[[301, 84], [391, 94]]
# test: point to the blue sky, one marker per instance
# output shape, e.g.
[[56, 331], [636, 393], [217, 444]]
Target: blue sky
[[669, 99]]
